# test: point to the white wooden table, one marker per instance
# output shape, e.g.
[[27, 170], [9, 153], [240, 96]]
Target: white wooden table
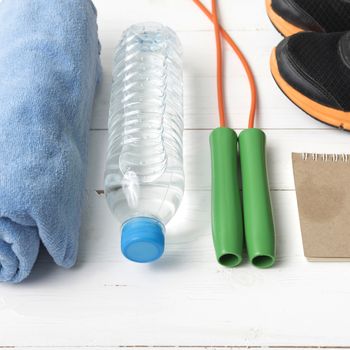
[[186, 299]]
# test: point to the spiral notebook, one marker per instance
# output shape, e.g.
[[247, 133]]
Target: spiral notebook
[[322, 183]]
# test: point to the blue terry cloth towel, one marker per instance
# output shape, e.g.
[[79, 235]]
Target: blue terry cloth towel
[[49, 69]]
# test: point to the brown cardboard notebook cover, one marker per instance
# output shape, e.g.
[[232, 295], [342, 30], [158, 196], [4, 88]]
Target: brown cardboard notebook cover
[[322, 185]]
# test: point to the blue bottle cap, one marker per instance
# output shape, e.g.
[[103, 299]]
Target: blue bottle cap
[[142, 239]]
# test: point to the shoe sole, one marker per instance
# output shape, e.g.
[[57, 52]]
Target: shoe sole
[[327, 115], [282, 26]]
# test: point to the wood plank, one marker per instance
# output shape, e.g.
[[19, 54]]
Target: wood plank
[[182, 15], [254, 35], [200, 106], [186, 298], [280, 145], [183, 347]]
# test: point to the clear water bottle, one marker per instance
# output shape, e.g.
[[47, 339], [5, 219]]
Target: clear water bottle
[[144, 179]]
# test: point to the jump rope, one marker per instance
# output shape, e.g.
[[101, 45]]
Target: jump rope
[[234, 224]]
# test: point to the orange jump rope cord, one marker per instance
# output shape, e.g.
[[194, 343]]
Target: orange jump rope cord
[[243, 60], [219, 74]]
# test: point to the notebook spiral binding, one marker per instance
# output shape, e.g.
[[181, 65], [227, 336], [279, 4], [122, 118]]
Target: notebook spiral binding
[[326, 157]]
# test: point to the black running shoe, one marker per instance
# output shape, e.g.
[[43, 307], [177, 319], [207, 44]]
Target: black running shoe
[[313, 71], [293, 16]]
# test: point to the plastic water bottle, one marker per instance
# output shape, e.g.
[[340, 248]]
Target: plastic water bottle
[[144, 179]]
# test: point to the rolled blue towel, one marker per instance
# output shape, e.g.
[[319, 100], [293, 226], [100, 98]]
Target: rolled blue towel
[[49, 69]]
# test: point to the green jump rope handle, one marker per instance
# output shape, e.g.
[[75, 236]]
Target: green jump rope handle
[[258, 221], [227, 219]]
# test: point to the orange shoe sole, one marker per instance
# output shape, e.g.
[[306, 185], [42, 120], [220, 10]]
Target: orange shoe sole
[[284, 27], [330, 116]]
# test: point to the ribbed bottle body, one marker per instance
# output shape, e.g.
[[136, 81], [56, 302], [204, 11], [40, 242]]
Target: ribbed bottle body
[[144, 173]]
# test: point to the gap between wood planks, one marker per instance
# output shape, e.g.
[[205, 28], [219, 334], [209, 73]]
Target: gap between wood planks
[[325, 128], [102, 192], [179, 347]]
